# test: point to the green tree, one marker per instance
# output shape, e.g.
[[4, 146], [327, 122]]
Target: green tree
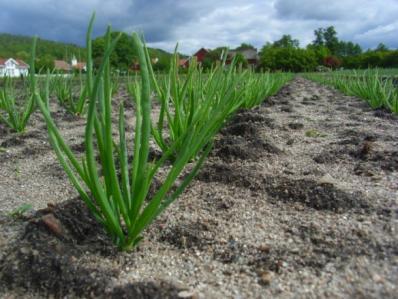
[[319, 37], [245, 46], [163, 64], [287, 59], [122, 57], [391, 59], [331, 40], [381, 47], [372, 59], [348, 49], [286, 42], [45, 63], [23, 55], [351, 62], [320, 52], [98, 46], [13, 45], [125, 51]]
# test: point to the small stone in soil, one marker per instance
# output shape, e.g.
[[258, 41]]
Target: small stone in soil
[[187, 294], [52, 224], [295, 126], [265, 278]]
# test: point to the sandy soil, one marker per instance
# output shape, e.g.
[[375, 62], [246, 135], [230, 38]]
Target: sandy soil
[[299, 199]]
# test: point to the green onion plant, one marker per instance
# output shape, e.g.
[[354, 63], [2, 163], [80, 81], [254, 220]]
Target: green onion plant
[[16, 113], [63, 87], [258, 87], [118, 198], [378, 91], [115, 83], [193, 108], [193, 101]]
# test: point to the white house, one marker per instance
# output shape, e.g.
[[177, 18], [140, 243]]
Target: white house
[[13, 67]]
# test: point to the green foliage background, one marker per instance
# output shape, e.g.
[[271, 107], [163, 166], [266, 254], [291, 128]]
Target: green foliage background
[[284, 54], [19, 46]]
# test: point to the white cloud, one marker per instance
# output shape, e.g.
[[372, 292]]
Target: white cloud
[[372, 36]]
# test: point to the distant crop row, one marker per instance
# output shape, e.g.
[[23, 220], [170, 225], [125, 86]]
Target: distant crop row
[[71, 91], [193, 108], [379, 90], [382, 72]]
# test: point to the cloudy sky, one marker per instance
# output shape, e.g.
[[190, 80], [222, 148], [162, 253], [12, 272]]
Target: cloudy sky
[[205, 23]]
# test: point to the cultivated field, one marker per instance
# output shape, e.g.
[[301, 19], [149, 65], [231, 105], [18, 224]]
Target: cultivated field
[[298, 198], [219, 184]]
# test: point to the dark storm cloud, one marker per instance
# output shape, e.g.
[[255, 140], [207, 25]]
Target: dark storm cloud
[[205, 23], [311, 10], [67, 20], [61, 21]]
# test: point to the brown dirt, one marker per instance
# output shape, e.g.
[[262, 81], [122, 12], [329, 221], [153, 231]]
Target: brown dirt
[[297, 199]]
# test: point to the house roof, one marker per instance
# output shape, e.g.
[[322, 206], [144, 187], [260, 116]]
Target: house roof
[[247, 53], [79, 65], [20, 63], [64, 66], [183, 62], [201, 50], [61, 65]]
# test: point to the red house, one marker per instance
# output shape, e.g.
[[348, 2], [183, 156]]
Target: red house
[[200, 56]]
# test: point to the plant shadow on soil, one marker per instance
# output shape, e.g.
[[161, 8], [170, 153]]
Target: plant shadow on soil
[[45, 258]]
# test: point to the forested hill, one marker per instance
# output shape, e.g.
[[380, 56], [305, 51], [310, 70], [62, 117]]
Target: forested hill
[[18, 46]]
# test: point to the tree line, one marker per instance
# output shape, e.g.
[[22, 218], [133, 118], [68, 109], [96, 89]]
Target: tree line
[[123, 58], [18, 46], [326, 50], [285, 54]]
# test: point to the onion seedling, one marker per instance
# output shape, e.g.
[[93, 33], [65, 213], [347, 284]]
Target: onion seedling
[[64, 91], [13, 114], [120, 200], [193, 101], [258, 87], [377, 91]]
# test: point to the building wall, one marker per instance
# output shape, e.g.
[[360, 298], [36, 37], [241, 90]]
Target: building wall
[[12, 70], [201, 54]]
